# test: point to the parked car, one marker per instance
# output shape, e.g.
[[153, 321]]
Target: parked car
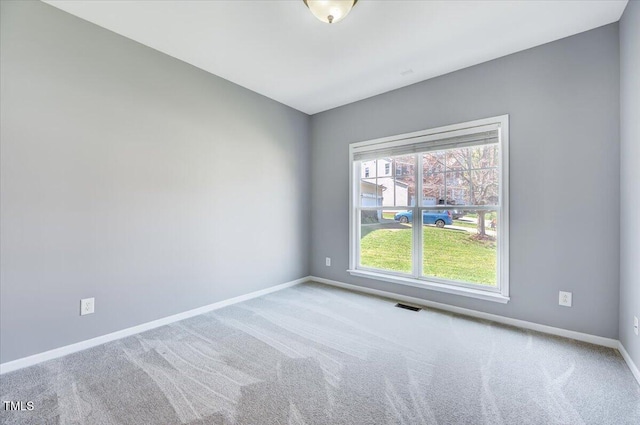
[[439, 218], [457, 214]]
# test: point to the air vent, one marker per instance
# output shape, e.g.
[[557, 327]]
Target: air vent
[[408, 307]]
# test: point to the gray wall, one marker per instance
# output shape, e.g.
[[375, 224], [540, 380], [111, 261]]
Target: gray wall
[[630, 177], [563, 101], [137, 179]]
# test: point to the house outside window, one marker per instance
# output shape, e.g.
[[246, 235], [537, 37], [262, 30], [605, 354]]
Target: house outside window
[[441, 220]]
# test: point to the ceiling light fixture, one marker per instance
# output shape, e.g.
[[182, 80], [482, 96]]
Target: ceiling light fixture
[[330, 11]]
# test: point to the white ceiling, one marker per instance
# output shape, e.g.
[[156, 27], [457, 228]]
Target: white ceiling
[[278, 49]]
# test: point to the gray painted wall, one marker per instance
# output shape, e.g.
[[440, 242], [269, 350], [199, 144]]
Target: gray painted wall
[[630, 177], [136, 179], [124, 177], [563, 99]]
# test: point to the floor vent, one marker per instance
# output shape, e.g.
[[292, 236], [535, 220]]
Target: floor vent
[[408, 307]]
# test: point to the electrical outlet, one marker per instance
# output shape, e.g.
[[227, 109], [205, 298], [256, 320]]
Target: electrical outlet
[[635, 325], [565, 299], [327, 262], [87, 306]]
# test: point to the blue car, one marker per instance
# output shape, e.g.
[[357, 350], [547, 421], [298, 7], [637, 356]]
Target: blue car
[[439, 218]]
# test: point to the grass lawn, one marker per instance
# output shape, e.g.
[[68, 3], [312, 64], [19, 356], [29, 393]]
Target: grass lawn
[[462, 223], [448, 254]]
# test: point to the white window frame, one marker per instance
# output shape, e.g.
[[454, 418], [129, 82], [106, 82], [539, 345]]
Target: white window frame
[[499, 293]]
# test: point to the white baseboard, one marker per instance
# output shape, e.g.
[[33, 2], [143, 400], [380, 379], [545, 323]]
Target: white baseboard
[[83, 345], [630, 363], [593, 339]]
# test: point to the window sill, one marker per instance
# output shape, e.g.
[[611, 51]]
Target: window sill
[[449, 289]]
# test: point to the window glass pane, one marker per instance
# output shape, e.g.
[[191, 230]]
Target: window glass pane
[[485, 186], [473, 158], [368, 169], [433, 162], [475, 187], [465, 250], [386, 240], [472, 175], [458, 188], [388, 182], [437, 218], [400, 188], [432, 189], [370, 193]]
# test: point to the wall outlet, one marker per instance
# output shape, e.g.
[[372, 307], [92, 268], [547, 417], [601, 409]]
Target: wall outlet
[[635, 325], [565, 299], [87, 306], [327, 262]]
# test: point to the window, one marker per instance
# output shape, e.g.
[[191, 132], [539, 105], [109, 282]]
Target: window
[[387, 168], [440, 221], [366, 171]]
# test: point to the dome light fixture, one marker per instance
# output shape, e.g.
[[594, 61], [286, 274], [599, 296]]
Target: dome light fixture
[[330, 11]]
